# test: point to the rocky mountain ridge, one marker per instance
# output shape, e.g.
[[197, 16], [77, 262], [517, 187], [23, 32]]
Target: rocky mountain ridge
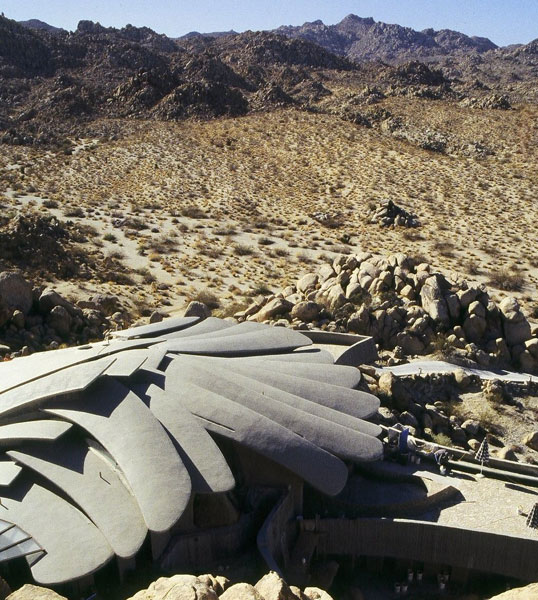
[[55, 81], [363, 39]]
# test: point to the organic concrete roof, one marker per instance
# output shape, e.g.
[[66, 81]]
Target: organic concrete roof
[[104, 443]]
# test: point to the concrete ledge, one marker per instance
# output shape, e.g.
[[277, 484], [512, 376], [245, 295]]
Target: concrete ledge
[[348, 349]]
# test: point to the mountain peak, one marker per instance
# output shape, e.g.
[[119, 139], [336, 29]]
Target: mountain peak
[[351, 18]]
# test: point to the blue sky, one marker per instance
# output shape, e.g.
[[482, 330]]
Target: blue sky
[[503, 21]]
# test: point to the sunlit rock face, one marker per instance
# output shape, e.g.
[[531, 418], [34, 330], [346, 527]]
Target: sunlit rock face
[[104, 443]]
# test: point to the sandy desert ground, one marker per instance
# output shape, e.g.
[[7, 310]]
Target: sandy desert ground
[[226, 207]]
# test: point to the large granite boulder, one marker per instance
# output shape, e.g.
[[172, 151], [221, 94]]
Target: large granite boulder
[[273, 587], [15, 292], [34, 592], [178, 587], [241, 591], [433, 302], [529, 592]]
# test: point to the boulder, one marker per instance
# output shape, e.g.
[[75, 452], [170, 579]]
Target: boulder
[[15, 292], [275, 307], [408, 418], [527, 362], [517, 333], [336, 297], [433, 302], [60, 320], [241, 591], [306, 311], [178, 587], [325, 272], [473, 444], [392, 387], [454, 306], [297, 592], [475, 326], [197, 309], [273, 587], [471, 427], [529, 592], [506, 453], [531, 440], [307, 282], [532, 347], [314, 593], [517, 329], [463, 379], [34, 592], [458, 436], [156, 317]]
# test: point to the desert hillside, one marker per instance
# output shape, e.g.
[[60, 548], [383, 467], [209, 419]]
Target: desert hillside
[[235, 204]]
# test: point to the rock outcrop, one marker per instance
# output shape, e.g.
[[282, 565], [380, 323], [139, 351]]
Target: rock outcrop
[[209, 587], [408, 308], [33, 318]]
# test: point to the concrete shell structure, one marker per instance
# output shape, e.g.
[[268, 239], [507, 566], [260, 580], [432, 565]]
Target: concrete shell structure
[[105, 443]]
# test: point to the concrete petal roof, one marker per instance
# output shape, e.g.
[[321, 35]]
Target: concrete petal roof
[[103, 443]]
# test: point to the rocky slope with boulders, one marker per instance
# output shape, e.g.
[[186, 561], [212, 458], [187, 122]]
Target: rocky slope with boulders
[[203, 587], [210, 587], [409, 309], [34, 318]]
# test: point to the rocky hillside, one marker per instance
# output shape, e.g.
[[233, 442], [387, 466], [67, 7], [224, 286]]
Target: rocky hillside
[[55, 83], [474, 60], [365, 40], [408, 308]]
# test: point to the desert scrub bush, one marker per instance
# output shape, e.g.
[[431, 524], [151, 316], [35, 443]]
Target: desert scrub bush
[[442, 439], [260, 290], [472, 268], [503, 279], [206, 297], [440, 347], [230, 309], [50, 203], [229, 230], [74, 211], [146, 274], [110, 237], [265, 241], [193, 212], [242, 250]]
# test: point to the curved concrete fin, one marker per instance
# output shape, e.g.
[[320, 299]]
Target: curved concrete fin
[[251, 342], [127, 363], [73, 544], [330, 402], [237, 329], [94, 486], [64, 381], [209, 325], [157, 329], [304, 355], [296, 414], [231, 420], [46, 430], [8, 472], [347, 377], [116, 345], [29, 368], [119, 420], [208, 469]]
